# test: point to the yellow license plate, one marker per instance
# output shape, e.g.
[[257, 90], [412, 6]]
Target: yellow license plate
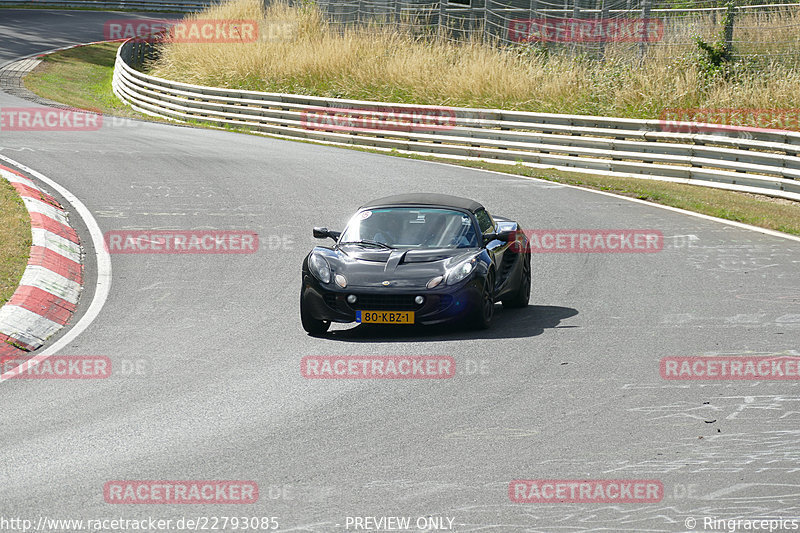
[[385, 317]]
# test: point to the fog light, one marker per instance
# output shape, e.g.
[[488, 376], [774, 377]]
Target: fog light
[[351, 298], [419, 300]]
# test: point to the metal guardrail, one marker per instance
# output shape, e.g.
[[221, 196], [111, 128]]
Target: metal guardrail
[[763, 162], [172, 6]]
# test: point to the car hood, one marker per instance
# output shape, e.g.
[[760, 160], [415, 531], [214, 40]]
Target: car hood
[[407, 269]]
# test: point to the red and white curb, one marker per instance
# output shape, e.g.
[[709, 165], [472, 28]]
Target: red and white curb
[[48, 292]]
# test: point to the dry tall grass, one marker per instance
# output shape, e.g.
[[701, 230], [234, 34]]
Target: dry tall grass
[[385, 63]]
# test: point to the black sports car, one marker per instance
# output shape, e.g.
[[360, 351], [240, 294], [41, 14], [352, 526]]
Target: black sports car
[[416, 259]]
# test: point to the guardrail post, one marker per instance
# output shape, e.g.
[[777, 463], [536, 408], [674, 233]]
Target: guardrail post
[[442, 18], [486, 5], [576, 14], [645, 16], [729, 20], [603, 24], [531, 16], [336, 16]]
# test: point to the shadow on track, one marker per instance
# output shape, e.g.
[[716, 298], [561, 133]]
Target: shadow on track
[[507, 324]]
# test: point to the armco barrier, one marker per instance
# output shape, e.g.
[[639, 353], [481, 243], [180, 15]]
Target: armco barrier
[[763, 162]]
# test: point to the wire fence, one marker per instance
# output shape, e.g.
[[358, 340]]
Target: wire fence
[[755, 27]]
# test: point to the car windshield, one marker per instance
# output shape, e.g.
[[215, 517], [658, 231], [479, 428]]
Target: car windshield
[[412, 227]]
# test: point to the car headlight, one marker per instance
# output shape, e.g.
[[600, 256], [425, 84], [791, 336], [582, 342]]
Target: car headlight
[[460, 272], [320, 268], [340, 280]]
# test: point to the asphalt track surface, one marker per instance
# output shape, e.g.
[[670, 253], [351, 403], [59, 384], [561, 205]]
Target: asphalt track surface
[[569, 388]]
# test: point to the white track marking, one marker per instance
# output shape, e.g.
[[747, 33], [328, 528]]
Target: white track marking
[[102, 286]]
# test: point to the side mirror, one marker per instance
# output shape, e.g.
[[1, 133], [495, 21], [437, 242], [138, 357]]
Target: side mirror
[[324, 233], [505, 236]]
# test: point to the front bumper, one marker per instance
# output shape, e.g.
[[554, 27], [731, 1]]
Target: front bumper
[[443, 305]]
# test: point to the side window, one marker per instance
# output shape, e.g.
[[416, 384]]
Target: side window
[[485, 222]]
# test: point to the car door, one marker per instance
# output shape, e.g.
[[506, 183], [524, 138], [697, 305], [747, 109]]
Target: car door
[[495, 248], [500, 251]]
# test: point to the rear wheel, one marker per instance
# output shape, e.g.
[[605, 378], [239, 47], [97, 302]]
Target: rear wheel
[[312, 325], [523, 294], [482, 315]]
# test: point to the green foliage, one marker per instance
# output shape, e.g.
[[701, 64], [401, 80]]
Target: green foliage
[[717, 59]]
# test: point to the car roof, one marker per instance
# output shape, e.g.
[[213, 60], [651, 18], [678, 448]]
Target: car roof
[[437, 200]]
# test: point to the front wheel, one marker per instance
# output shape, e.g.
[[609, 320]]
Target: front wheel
[[312, 325], [482, 315]]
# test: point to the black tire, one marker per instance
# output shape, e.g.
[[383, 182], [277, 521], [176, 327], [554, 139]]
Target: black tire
[[523, 294], [482, 315], [312, 325]]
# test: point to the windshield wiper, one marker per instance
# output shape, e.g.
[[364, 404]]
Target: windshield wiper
[[370, 243]]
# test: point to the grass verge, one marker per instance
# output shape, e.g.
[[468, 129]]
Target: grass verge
[[81, 77], [15, 240]]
